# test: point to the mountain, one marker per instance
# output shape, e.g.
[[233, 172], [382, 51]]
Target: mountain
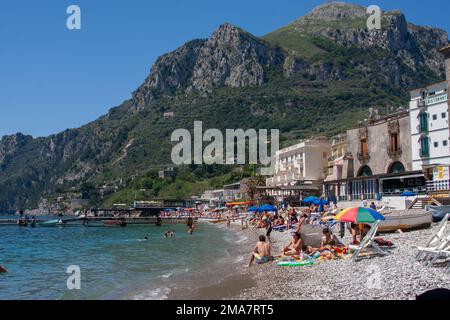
[[315, 76]]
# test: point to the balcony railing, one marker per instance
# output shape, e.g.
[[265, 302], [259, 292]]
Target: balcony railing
[[442, 185]]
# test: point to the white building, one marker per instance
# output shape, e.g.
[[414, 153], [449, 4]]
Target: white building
[[302, 163], [429, 125]]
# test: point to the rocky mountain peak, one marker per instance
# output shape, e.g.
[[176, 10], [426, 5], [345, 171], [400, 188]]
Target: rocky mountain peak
[[336, 10], [229, 57]]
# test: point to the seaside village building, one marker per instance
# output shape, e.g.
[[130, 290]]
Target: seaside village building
[[430, 131], [377, 161], [299, 170]]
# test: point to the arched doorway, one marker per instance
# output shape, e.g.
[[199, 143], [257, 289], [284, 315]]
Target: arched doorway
[[365, 171], [396, 167]]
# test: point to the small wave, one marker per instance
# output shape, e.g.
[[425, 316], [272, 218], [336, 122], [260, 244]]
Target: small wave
[[155, 294], [167, 275]]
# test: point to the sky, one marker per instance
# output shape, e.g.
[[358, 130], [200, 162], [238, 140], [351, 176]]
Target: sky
[[52, 78]]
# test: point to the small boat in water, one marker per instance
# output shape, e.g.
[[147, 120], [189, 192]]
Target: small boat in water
[[22, 223], [405, 222], [49, 223], [114, 223]]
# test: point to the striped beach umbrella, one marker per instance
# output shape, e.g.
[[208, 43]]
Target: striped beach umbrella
[[359, 215]]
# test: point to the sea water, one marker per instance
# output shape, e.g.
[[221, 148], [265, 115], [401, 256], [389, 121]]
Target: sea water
[[115, 263]]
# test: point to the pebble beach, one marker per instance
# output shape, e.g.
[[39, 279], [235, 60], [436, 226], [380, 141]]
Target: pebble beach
[[396, 276]]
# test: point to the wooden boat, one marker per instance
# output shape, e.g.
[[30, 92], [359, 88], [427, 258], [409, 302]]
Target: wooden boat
[[114, 223], [405, 222]]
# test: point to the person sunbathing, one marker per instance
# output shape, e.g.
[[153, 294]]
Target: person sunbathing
[[261, 253], [294, 247]]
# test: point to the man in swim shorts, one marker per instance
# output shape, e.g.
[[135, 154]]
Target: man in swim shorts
[[261, 253]]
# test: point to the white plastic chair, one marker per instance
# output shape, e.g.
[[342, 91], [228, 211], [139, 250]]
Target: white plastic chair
[[368, 242], [435, 240], [442, 250]]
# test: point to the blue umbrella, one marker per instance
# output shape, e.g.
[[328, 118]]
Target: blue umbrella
[[252, 209], [310, 200], [408, 194], [321, 208], [268, 207]]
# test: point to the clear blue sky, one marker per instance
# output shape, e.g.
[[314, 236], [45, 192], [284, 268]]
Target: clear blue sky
[[52, 78]]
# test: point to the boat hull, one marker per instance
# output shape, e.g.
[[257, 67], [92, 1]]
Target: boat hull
[[404, 223]]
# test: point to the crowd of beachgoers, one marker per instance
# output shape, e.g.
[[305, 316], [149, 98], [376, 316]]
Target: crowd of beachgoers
[[307, 253]]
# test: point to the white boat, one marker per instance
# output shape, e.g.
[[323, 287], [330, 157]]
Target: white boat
[[405, 222]]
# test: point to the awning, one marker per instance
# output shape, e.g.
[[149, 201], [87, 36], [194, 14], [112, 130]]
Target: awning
[[243, 203]]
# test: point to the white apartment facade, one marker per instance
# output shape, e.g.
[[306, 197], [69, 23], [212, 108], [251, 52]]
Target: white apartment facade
[[430, 143], [303, 163]]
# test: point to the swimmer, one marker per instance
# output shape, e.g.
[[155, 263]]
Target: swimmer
[[3, 270], [145, 238]]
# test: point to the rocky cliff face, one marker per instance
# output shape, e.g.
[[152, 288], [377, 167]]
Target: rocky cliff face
[[398, 48], [12, 145], [233, 57], [230, 57]]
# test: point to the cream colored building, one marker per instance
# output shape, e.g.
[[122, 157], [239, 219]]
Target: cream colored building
[[301, 164]]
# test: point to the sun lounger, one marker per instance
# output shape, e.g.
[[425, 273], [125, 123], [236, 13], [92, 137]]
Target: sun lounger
[[433, 254], [367, 243], [435, 240]]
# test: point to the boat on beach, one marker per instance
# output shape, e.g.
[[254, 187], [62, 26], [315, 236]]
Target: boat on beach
[[405, 222], [438, 212]]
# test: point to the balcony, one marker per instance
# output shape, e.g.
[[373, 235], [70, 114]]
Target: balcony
[[394, 152], [363, 157]]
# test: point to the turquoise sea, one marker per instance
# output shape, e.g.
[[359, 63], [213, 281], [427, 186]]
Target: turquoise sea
[[115, 263]]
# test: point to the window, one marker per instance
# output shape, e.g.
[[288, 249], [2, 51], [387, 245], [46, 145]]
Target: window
[[445, 143], [436, 144], [434, 116], [444, 115]]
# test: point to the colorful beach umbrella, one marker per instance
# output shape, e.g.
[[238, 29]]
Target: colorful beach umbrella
[[359, 215]]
